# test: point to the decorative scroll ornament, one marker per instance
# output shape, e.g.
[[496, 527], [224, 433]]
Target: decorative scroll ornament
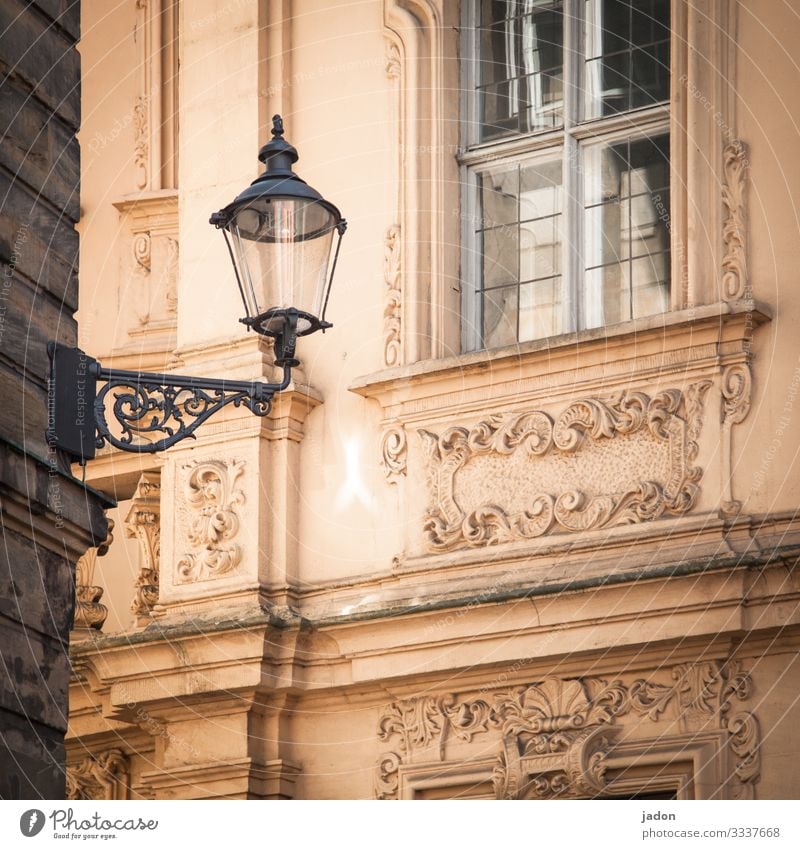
[[392, 311], [704, 693], [668, 417], [734, 265], [90, 614], [143, 523], [556, 736], [213, 498], [141, 251], [102, 776], [394, 451], [737, 387], [148, 408]]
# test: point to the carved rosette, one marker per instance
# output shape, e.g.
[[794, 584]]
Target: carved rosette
[[143, 523], [734, 264], [669, 418], [556, 736], [737, 388], [90, 614], [392, 319], [213, 498], [394, 453], [101, 776]]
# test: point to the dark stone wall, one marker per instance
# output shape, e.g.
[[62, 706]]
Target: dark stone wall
[[46, 517]]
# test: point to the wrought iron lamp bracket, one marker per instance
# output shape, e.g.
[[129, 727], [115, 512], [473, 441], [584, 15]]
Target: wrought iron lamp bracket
[[151, 412]]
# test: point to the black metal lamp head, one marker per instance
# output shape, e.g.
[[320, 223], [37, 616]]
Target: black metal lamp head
[[282, 245]]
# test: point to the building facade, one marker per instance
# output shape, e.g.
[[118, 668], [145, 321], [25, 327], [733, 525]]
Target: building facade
[[48, 518], [525, 523]]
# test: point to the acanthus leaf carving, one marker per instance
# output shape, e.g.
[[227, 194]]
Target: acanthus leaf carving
[[734, 261], [143, 523], [213, 498], [670, 417], [393, 59], [392, 312], [90, 613], [141, 149], [102, 776], [556, 735]]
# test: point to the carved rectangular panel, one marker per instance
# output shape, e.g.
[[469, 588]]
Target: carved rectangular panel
[[623, 459]]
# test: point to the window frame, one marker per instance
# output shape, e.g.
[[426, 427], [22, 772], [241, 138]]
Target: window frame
[[478, 157]]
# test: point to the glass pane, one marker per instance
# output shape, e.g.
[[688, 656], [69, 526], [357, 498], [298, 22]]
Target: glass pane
[[540, 309], [520, 66], [627, 55], [540, 189], [649, 285], [500, 256], [626, 230], [500, 198], [540, 249], [515, 250], [500, 317]]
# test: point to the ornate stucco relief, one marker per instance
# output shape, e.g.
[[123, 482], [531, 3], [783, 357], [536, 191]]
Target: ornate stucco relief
[[392, 312], [143, 523], [734, 261], [556, 736], [737, 387], [394, 452], [148, 293], [90, 613], [212, 502], [541, 469], [99, 776]]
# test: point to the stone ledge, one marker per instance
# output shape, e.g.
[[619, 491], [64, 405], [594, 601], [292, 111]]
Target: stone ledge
[[680, 341]]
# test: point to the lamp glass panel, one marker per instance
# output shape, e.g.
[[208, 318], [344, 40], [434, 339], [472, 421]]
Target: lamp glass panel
[[283, 249]]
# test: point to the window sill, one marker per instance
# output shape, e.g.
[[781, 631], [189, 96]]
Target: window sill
[[701, 337]]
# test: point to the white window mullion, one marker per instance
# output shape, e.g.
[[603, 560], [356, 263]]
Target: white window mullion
[[570, 262]]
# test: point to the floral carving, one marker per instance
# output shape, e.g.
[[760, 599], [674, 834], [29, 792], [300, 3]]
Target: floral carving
[[737, 387], [392, 344], [143, 523], [556, 736], [213, 498], [394, 452], [141, 143], [669, 416], [101, 776], [392, 59], [734, 266], [90, 614]]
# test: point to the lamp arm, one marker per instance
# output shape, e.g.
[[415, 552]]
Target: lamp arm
[[168, 406]]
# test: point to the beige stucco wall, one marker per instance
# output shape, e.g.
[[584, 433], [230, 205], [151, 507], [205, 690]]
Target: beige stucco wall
[[276, 678]]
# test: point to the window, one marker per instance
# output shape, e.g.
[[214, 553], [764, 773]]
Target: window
[[566, 169]]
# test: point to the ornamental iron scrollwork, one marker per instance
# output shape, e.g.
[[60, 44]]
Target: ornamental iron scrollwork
[[171, 405]]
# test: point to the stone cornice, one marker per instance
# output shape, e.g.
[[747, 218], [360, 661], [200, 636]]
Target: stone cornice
[[692, 341], [154, 211]]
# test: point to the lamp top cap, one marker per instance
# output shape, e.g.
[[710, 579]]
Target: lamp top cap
[[277, 154]]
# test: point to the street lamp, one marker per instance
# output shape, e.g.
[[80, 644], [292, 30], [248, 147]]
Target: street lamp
[[280, 236]]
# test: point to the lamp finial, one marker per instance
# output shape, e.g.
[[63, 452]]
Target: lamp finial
[[277, 127]]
